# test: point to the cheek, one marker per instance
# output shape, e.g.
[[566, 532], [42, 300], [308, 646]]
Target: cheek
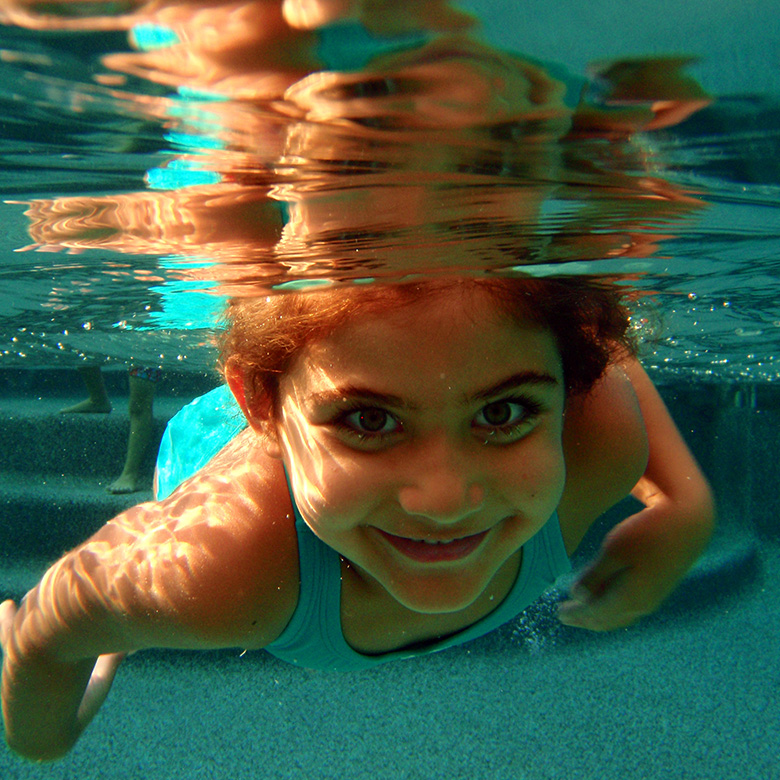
[[539, 477], [349, 491], [305, 461]]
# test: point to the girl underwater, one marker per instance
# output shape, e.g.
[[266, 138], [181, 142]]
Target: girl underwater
[[420, 461]]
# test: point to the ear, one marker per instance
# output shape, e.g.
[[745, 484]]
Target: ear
[[258, 410]]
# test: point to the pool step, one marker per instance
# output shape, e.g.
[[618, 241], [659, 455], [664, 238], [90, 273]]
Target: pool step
[[36, 439], [55, 468], [47, 515]]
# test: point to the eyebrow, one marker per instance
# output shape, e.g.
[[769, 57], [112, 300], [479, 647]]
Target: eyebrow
[[345, 392], [537, 378]]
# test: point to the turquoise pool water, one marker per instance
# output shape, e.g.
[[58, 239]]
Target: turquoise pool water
[[154, 164]]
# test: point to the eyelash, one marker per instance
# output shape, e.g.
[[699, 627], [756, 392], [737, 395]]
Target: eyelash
[[497, 434], [507, 432], [342, 423]]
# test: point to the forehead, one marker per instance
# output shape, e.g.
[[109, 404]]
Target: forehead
[[454, 338]]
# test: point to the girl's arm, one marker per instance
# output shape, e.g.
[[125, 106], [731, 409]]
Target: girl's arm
[[98, 601], [644, 557], [46, 704], [205, 568]]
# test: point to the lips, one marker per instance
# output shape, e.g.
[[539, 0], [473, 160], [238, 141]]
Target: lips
[[435, 552]]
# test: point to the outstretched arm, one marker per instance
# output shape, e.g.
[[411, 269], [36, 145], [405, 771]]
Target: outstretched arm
[[644, 557], [62, 646], [211, 566]]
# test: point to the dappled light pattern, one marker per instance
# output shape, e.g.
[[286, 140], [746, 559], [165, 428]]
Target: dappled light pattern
[[312, 464], [185, 572]]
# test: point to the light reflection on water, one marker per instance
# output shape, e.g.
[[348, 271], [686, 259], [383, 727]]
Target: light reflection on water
[[182, 153]]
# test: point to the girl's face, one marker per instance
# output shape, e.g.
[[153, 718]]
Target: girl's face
[[424, 444]]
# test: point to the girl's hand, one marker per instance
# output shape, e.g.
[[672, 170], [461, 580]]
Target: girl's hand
[[7, 614], [641, 561], [35, 726], [644, 557], [99, 685]]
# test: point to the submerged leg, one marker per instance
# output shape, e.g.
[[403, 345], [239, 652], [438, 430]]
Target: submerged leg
[[97, 402], [142, 387]]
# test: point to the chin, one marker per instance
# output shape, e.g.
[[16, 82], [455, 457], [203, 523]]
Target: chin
[[438, 598]]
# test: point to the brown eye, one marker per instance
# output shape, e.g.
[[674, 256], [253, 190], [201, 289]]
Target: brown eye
[[498, 414], [372, 420], [502, 422]]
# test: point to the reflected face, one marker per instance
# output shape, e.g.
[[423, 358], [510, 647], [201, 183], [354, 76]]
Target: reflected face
[[424, 444]]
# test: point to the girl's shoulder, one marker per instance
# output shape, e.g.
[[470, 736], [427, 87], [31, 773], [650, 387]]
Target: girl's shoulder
[[606, 451], [217, 560]]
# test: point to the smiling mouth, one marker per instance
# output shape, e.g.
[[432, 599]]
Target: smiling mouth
[[423, 551]]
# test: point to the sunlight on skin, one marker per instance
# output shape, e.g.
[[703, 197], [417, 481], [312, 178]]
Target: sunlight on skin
[[156, 560], [193, 571], [395, 429], [215, 564], [311, 455]]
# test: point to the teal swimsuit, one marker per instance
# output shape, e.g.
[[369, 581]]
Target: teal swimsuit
[[313, 638]]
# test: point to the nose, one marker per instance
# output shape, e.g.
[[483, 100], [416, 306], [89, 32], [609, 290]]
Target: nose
[[442, 484]]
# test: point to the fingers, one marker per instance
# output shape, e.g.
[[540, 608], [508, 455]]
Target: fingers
[[608, 595], [598, 577], [99, 685], [615, 607], [7, 614]]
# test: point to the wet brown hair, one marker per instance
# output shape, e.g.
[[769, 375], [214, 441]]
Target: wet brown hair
[[588, 319]]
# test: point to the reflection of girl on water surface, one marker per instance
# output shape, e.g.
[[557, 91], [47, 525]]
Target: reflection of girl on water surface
[[420, 462]]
